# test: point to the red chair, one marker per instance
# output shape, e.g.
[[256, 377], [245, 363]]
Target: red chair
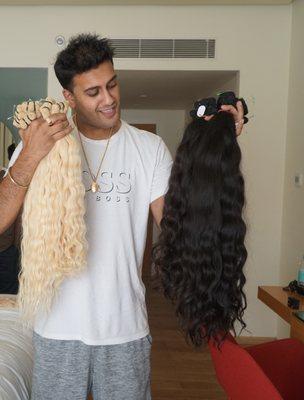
[[269, 371]]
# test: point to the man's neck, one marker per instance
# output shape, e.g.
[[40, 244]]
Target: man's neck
[[97, 133]]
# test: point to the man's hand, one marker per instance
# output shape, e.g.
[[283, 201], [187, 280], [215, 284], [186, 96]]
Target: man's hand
[[238, 115], [39, 138], [157, 207]]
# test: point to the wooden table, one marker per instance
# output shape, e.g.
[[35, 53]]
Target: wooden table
[[276, 299]]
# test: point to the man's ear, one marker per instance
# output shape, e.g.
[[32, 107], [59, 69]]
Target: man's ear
[[69, 98]]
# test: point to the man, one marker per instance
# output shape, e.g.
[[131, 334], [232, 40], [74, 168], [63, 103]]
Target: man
[[96, 336]]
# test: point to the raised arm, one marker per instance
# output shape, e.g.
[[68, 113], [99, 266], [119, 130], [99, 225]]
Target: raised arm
[[38, 139]]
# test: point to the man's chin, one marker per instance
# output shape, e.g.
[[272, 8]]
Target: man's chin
[[111, 123]]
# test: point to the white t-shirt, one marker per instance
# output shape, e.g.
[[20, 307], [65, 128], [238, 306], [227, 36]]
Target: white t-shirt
[[106, 303]]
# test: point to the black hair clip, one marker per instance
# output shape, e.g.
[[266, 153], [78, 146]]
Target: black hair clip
[[204, 107], [210, 106]]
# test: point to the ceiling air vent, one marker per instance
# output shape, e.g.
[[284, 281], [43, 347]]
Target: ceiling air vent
[[163, 48], [156, 48], [125, 48]]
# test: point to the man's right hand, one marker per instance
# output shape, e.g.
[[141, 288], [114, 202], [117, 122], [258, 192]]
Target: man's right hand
[[39, 138]]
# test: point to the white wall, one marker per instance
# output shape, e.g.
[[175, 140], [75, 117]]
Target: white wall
[[170, 124], [254, 40], [293, 216]]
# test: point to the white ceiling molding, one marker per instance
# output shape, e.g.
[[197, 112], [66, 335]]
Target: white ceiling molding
[[141, 2]]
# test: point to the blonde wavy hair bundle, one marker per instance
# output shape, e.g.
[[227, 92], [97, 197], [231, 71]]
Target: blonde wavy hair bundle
[[53, 243]]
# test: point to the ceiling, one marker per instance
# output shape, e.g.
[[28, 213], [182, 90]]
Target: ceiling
[[171, 89], [142, 2]]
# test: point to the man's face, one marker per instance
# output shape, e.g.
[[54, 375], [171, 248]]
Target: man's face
[[95, 97]]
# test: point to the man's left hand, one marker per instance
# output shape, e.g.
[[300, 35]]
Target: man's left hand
[[238, 115]]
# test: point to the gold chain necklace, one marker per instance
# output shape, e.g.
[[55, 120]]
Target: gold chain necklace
[[94, 185]]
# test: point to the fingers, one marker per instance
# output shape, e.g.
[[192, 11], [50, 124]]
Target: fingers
[[237, 112], [239, 127], [208, 117], [57, 131], [239, 122], [59, 126], [231, 109], [238, 115], [62, 134], [58, 117], [240, 109]]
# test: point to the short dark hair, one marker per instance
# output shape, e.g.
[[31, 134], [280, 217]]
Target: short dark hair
[[83, 53]]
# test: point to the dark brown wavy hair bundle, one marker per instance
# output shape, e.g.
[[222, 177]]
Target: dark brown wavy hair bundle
[[201, 253]]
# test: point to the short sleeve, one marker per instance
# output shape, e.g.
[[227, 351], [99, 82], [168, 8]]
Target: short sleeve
[[15, 155], [162, 170]]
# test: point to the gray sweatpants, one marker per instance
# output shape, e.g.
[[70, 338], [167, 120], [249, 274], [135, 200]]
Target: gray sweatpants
[[70, 369]]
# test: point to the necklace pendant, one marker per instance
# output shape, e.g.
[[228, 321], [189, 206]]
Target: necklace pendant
[[94, 187]]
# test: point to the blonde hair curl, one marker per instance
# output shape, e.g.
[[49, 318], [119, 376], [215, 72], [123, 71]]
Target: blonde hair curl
[[53, 243]]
